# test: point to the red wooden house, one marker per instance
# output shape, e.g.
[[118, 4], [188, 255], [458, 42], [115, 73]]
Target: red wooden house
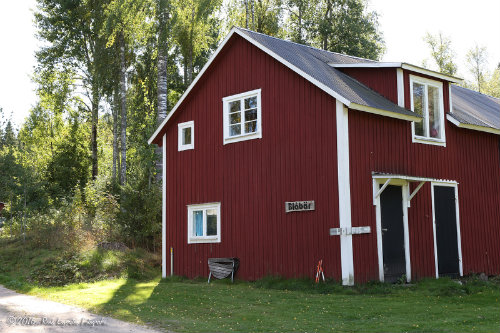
[[281, 155]]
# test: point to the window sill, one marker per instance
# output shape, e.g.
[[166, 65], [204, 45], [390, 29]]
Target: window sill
[[244, 137], [429, 141], [186, 147], [201, 240]]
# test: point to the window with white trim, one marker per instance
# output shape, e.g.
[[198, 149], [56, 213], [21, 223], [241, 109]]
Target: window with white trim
[[427, 101], [242, 117], [204, 223], [186, 135]]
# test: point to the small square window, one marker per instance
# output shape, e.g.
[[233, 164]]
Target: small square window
[[242, 117], [186, 135], [204, 223]]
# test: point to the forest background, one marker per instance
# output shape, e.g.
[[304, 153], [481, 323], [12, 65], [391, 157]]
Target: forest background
[[79, 171]]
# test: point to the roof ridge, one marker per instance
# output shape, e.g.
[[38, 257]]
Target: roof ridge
[[307, 46]]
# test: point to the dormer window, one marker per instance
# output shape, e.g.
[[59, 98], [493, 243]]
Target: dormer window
[[242, 117], [427, 101]]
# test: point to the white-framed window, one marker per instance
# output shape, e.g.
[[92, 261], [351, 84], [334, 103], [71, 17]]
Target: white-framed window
[[186, 135], [204, 223], [242, 117], [427, 101]]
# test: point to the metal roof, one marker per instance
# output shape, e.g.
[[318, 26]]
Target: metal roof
[[315, 63], [473, 108]]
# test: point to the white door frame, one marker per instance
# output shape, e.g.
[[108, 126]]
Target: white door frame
[[459, 242], [405, 193]]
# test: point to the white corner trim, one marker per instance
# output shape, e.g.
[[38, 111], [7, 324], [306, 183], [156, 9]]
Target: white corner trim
[[180, 128], [457, 216], [164, 210], [343, 179], [472, 127], [401, 87]]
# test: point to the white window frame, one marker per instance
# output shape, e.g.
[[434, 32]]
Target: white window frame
[[180, 128], [242, 137], [427, 139], [203, 239]]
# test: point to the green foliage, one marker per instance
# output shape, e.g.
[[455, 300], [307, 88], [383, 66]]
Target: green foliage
[[345, 26], [442, 53]]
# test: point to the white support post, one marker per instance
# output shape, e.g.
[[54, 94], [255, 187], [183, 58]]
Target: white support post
[[346, 252], [164, 210]]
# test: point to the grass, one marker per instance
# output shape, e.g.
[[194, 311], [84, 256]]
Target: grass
[[281, 305]]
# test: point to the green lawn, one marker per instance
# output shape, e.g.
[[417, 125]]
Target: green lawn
[[268, 305], [195, 306]]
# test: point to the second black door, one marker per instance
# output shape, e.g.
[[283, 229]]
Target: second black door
[[393, 245]]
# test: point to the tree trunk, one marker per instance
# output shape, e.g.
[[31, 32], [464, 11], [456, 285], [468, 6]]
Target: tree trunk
[[116, 117], [123, 104], [246, 13], [190, 55], [162, 76], [95, 120]]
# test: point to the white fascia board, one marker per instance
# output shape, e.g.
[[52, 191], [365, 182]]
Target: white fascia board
[[429, 72], [306, 76], [382, 112], [402, 65], [188, 90], [367, 65], [472, 127], [267, 51]]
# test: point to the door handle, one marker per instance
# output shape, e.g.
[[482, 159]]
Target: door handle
[[383, 229]]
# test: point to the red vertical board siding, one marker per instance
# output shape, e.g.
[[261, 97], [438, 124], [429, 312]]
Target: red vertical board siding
[[382, 80], [295, 160], [471, 158]]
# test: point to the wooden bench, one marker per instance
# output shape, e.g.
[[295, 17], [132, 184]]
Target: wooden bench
[[221, 268]]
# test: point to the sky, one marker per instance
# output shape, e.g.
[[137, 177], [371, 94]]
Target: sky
[[403, 23]]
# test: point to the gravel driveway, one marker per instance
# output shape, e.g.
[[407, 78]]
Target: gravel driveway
[[23, 313]]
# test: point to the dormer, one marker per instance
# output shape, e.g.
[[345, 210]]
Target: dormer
[[425, 92]]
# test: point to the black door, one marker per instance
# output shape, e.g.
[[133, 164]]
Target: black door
[[393, 246], [446, 230]]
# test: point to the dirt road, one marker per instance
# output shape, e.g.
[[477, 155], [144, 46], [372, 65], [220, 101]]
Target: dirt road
[[23, 313]]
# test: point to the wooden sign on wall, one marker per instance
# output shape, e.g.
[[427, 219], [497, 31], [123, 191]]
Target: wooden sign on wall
[[299, 206]]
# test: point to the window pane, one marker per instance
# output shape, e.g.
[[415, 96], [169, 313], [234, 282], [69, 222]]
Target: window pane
[[251, 127], [418, 107], [234, 106], [250, 103], [434, 112], [211, 222], [235, 118], [234, 130], [186, 137], [251, 115], [198, 223]]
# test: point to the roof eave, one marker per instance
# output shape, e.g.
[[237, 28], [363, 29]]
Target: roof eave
[[459, 124], [402, 65], [386, 113]]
